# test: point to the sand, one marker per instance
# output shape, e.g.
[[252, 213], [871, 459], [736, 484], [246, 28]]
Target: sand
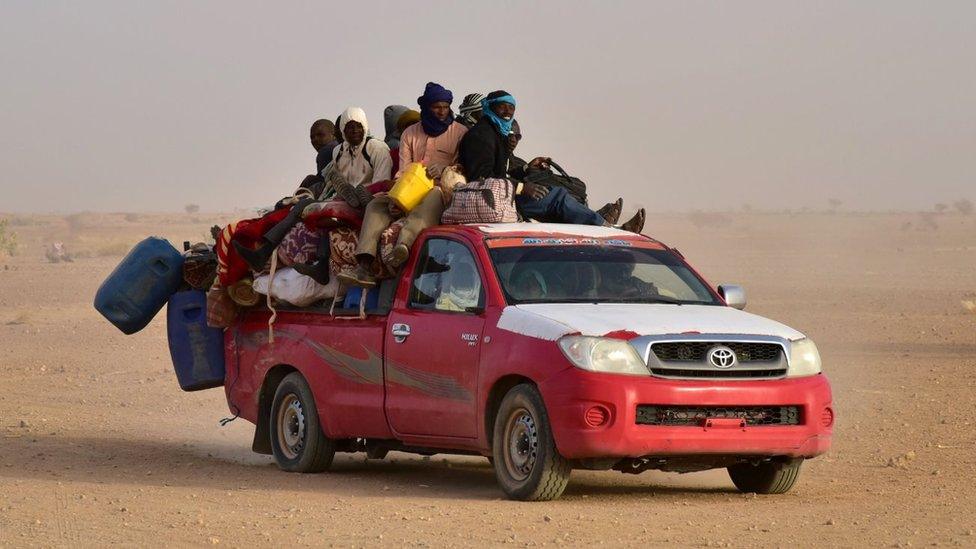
[[98, 444]]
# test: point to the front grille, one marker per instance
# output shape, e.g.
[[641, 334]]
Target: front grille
[[695, 351], [696, 415], [712, 374]]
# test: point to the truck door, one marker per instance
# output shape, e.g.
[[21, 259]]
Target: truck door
[[433, 344]]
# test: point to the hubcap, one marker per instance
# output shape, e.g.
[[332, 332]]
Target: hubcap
[[522, 444], [291, 426]]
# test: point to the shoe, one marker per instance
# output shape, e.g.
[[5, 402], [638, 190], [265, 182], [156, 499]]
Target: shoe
[[611, 211], [318, 271], [257, 258], [635, 224], [399, 255], [359, 277]]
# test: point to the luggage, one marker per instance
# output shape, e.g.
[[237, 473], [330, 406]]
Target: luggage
[[199, 266], [355, 294], [411, 187], [300, 245], [331, 214], [293, 287], [221, 309], [488, 201], [573, 185], [138, 288], [197, 350]]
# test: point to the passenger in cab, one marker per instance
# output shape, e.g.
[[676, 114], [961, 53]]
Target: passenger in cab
[[434, 141]]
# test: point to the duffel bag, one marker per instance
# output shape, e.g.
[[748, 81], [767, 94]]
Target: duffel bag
[[573, 185], [488, 201]]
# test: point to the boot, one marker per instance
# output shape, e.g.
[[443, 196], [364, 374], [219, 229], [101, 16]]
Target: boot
[[611, 211], [635, 224], [361, 276], [319, 270], [257, 258], [399, 256]]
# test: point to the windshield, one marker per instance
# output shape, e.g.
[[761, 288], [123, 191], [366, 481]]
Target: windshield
[[596, 274]]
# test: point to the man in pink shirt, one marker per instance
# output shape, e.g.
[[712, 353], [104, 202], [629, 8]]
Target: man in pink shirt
[[434, 141]]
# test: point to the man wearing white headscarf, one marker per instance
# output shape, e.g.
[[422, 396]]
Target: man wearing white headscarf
[[361, 159]]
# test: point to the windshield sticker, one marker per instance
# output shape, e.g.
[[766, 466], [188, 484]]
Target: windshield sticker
[[574, 242]]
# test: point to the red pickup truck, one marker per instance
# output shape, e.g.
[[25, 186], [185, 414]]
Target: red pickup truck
[[545, 348]]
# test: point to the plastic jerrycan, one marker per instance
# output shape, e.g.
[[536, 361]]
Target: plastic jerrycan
[[140, 285], [197, 349], [411, 187]]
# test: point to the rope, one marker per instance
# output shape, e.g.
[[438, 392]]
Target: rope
[[274, 312]]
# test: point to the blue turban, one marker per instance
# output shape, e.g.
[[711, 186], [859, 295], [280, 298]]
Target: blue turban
[[434, 92]]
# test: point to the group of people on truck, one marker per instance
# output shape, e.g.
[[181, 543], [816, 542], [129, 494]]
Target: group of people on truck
[[475, 144]]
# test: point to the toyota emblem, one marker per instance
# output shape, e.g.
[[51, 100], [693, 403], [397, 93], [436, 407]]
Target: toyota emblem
[[721, 357]]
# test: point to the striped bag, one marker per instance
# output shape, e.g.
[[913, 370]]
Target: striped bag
[[488, 201]]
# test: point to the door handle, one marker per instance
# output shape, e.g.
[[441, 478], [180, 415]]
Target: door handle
[[400, 332]]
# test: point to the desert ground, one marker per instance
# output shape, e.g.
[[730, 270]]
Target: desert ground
[[98, 444]]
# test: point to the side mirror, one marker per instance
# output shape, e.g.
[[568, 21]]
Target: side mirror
[[734, 296]]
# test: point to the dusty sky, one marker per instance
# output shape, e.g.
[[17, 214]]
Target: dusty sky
[[139, 106]]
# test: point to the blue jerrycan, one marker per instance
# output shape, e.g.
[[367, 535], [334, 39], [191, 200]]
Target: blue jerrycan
[[138, 288], [197, 350]]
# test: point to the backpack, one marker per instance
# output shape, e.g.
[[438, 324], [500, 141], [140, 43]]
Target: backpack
[[488, 201], [573, 185], [364, 152]]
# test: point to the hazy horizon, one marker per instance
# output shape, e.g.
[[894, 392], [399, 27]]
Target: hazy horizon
[[112, 106]]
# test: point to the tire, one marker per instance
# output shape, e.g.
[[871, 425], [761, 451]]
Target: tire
[[771, 477], [297, 440], [526, 462]]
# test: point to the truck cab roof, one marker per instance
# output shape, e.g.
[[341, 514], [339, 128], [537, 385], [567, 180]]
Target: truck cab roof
[[487, 231]]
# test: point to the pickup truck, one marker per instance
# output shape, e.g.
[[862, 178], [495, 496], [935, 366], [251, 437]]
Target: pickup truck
[[545, 348]]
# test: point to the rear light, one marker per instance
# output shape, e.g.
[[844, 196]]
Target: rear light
[[597, 416], [827, 417]]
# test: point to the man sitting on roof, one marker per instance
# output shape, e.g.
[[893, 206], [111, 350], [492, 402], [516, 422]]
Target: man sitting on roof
[[486, 151], [434, 142]]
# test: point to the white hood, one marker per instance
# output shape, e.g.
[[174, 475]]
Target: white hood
[[552, 321]]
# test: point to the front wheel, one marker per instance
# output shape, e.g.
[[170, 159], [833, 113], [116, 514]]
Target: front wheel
[[770, 477], [527, 464], [297, 440]]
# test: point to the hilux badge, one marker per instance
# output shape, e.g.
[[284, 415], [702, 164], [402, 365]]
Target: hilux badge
[[721, 357]]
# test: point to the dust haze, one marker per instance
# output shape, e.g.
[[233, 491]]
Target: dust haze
[[114, 106]]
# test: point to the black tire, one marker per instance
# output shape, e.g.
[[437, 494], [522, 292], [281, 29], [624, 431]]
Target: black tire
[[770, 477], [302, 447], [527, 465]]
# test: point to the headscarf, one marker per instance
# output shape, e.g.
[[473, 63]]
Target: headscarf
[[353, 114], [407, 119], [500, 96], [434, 93], [390, 116], [469, 106]]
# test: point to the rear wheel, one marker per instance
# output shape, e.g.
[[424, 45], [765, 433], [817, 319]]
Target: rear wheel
[[770, 477], [527, 464], [297, 440]]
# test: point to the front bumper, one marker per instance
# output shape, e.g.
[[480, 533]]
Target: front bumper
[[572, 394]]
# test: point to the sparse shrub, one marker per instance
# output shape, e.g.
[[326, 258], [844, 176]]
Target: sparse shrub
[[940, 208], [8, 239], [191, 208], [113, 249], [833, 203], [709, 219], [964, 206], [926, 221], [80, 221], [132, 218], [747, 208]]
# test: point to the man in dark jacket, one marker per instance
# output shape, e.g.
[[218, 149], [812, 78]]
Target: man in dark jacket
[[486, 152]]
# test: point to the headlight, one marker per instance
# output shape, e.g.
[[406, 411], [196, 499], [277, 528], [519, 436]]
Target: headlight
[[598, 354], [804, 358]]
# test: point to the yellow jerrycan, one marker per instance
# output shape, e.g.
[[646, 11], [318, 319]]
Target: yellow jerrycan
[[411, 187]]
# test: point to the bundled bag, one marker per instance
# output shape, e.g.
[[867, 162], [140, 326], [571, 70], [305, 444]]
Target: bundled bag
[[221, 309], [293, 287], [300, 245], [199, 266], [343, 241], [573, 185], [488, 201]]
